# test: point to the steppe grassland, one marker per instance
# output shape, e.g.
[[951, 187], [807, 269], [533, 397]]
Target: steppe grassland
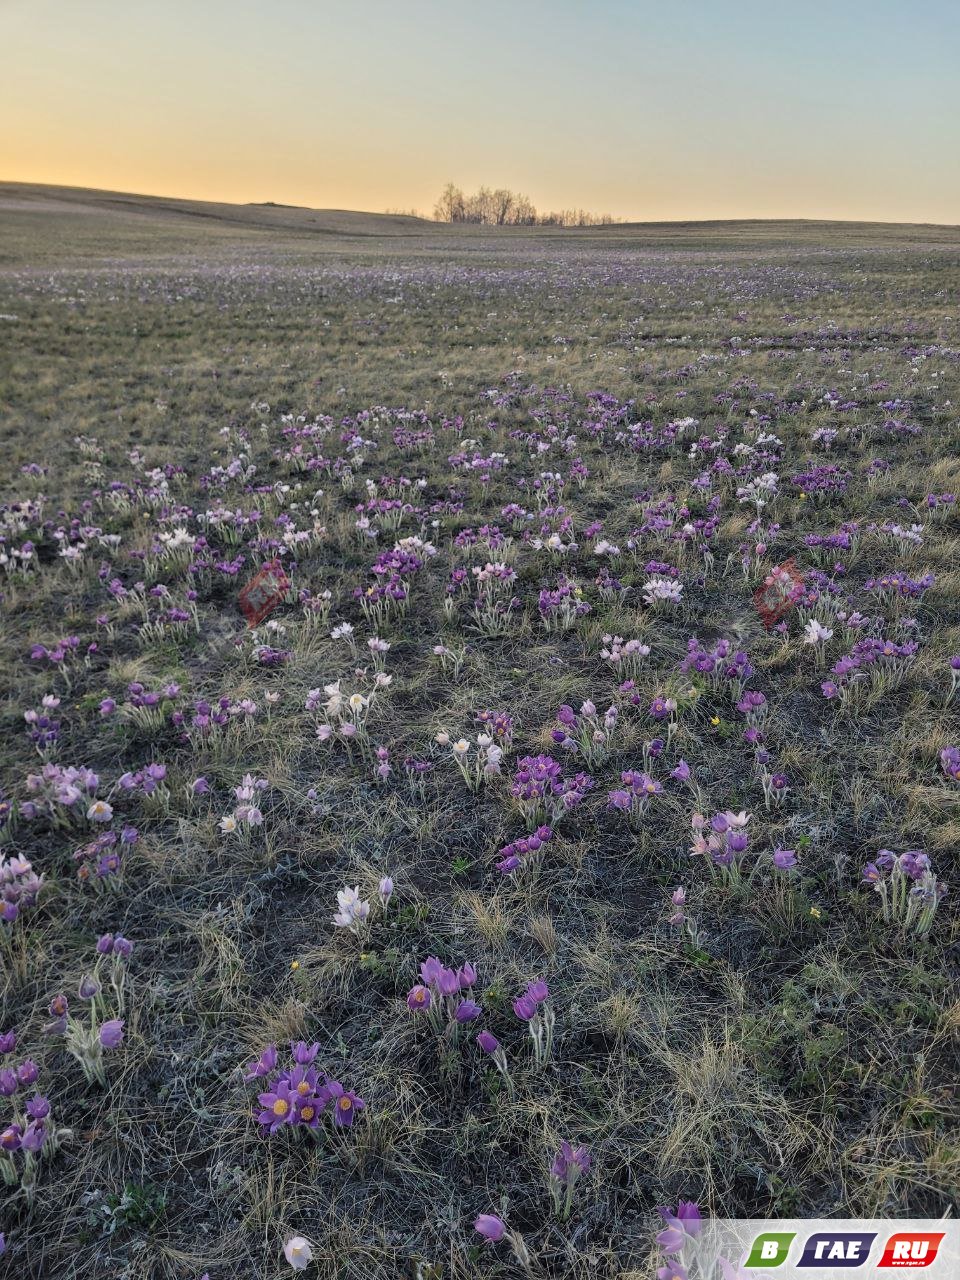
[[780, 1049]]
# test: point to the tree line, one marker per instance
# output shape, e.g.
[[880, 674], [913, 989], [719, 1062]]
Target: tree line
[[503, 208]]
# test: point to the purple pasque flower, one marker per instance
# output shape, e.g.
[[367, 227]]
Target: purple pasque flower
[[277, 1106], [570, 1160], [732, 1271], [568, 1165], [8, 1042], [488, 1042], [950, 762], [525, 1007], [686, 1219], [309, 1108], [430, 971], [28, 1072], [302, 1053], [520, 852], [914, 863], [909, 890], [110, 1034], [722, 841], [784, 859], [439, 991], [418, 998], [10, 1138], [509, 862], [296, 1098], [490, 1227], [19, 885], [38, 1107], [662, 707], [34, 1136], [671, 1239], [753, 705], [264, 1064], [448, 982], [58, 1010], [543, 793], [346, 1104], [309, 1097], [533, 1009], [634, 797]]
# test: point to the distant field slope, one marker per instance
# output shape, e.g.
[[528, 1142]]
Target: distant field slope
[[42, 225]]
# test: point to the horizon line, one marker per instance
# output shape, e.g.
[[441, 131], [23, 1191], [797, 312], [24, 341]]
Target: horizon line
[[418, 217]]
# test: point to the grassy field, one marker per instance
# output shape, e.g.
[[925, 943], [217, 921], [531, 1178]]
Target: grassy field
[[493, 453]]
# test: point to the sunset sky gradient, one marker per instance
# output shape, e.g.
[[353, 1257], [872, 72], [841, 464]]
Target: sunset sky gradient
[[688, 109]]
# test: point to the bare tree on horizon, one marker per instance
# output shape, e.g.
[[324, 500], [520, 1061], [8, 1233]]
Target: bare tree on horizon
[[502, 208]]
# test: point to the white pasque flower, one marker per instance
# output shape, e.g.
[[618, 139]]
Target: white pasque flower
[[298, 1252], [352, 909], [816, 633]]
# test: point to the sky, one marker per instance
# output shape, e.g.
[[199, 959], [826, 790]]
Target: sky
[[646, 110]]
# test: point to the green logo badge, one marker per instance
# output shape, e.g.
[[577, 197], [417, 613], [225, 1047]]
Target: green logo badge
[[770, 1249]]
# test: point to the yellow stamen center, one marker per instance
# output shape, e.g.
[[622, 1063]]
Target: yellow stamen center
[[281, 1107]]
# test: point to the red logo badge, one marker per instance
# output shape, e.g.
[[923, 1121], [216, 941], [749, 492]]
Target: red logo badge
[[782, 588], [262, 593], [911, 1249]]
